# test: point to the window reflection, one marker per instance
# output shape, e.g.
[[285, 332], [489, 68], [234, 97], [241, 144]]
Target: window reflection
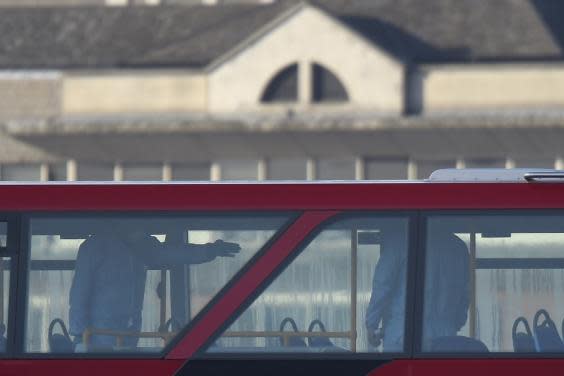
[[3, 234], [346, 284], [115, 283], [5, 268], [513, 270]]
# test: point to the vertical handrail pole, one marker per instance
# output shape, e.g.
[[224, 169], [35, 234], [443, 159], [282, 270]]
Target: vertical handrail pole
[[472, 266], [354, 263], [1, 289], [163, 299]]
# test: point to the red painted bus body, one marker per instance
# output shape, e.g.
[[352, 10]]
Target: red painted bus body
[[314, 204]]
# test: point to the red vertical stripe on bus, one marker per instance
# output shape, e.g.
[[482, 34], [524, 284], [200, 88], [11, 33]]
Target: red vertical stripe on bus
[[248, 283]]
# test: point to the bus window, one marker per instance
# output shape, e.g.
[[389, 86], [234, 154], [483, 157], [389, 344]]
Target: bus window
[[125, 283], [202, 287], [5, 267], [494, 283], [3, 234], [351, 276]]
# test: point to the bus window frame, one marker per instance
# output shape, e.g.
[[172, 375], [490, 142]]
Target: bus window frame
[[412, 218], [11, 251], [23, 268], [425, 215], [19, 251]]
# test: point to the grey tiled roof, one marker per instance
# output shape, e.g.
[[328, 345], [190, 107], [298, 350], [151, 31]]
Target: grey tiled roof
[[194, 36], [84, 37], [458, 30]]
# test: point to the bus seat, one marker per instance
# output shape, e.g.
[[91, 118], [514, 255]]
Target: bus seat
[[293, 341], [547, 338], [59, 343], [322, 343], [523, 342], [315, 341], [450, 344]]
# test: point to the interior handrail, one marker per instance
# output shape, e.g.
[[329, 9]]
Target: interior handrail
[[265, 334], [120, 335]]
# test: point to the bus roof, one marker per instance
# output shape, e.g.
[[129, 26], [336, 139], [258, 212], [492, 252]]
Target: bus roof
[[449, 175], [495, 175]]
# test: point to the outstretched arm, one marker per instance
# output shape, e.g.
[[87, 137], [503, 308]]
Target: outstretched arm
[[163, 254]]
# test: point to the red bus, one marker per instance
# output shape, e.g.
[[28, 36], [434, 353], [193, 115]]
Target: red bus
[[462, 273]]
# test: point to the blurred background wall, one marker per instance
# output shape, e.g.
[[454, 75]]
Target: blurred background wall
[[268, 90]]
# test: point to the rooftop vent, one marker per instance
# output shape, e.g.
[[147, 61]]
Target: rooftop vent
[[497, 175]]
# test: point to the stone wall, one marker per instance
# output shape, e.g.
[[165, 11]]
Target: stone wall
[[488, 87], [29, 95], [133, 92]]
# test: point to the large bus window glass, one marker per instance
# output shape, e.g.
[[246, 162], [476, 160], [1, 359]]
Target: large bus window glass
[[130, 283], [345, 292], [5, 267], [3, 234], [494, 284]]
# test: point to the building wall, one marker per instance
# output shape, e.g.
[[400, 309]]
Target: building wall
[[12, 3], [138, 92], [29, 95], [372, 79], [488, 87], [21, 3], [216, 2]]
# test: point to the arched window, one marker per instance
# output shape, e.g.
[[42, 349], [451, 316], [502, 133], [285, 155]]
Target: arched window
[[327, 87], [283, 87]]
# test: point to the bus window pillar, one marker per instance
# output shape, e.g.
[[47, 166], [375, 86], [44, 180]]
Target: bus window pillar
[[354, 263], [472, 265]]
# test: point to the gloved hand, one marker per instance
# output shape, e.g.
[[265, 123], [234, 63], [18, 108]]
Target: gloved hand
[[375, 337], [225, 249]]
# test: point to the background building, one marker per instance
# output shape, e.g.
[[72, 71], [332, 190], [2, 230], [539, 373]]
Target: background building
[[59, 3], [327, 89]]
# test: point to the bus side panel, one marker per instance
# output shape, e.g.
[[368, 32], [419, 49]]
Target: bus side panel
[[280, 367], [87, 367], [471, 367]]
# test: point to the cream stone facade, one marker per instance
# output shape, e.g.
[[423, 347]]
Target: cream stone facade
[[133, 92], [373, 80], [491, 87], [30, 94]]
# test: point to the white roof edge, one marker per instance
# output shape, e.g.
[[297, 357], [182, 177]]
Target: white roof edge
[[207, 182], [447, 175], [486, 174]]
